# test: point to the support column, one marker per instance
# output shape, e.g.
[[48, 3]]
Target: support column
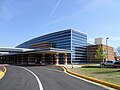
[[43, 58], [57, 59], [22, 59], [52, 61], [27, 59], [65, 58]]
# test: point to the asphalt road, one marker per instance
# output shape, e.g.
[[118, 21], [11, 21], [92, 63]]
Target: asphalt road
[[18, 78]]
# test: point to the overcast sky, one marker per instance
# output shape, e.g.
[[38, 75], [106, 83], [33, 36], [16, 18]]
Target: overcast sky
[[22, 20]]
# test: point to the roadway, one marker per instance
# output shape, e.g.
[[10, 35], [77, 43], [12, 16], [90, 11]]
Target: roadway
[[17, 78]]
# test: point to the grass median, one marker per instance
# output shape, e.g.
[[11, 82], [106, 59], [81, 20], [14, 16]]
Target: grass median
[[111, 75]]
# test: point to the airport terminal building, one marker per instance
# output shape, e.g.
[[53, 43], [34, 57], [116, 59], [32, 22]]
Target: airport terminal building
[[61, 47]]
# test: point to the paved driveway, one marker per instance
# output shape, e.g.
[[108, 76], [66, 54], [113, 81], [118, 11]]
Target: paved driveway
[[18, 78]]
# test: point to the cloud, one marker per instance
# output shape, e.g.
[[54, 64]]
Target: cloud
[[6, 9], [97, 4], [91, 40], [91, 6], [11, 8], [55, 21], [57, 4], [114, 41], [6, 13], [114, 38]]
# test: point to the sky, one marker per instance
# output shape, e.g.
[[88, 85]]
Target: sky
[[22, 20]]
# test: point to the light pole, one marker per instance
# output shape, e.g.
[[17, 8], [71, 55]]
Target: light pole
[[107, 47]]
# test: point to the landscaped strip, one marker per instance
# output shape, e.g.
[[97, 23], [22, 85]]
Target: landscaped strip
[[93, 79], [2, 72]]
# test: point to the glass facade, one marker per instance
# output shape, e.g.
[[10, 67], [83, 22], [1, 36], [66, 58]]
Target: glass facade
[[78, 47], [67, 39]]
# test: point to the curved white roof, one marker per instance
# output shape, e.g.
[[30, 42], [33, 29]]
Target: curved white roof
[[12, 49]]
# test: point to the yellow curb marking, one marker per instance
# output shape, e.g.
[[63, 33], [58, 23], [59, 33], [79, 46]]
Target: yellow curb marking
[[4, 69], [2, 73], [93, 79]]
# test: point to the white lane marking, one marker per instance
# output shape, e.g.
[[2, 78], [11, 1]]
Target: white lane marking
[[38, 80]]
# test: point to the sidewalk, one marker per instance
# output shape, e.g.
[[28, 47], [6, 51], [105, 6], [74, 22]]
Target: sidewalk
[[108, 84], [78, 65]]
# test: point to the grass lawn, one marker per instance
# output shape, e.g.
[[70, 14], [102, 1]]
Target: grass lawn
[[111, 75]]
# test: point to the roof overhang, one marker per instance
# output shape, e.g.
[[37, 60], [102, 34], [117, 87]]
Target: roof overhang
[[49, 50], [15, 50]]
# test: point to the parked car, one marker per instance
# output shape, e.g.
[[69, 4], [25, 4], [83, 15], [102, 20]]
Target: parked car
[[108, 63], [117, 64]]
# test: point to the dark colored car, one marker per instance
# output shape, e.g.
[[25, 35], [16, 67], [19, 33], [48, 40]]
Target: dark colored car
[[117, 64]]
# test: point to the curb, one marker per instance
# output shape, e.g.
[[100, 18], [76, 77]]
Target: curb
[[2, 73], [92, 79]]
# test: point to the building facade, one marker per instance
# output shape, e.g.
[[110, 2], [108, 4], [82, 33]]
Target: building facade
[[61, 47], [99, 41], [69, 39], [91, 52]]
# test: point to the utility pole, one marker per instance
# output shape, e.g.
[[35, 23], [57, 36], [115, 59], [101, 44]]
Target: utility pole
[[107, 46]]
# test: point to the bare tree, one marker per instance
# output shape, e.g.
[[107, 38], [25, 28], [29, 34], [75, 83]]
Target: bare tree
[[118, 51]]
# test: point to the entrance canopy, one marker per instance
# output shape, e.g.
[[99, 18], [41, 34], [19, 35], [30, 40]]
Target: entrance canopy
[[49, 50], [37, 50], [37, 55], [15, 50]]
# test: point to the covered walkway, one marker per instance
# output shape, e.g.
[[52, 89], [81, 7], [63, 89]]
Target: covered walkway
[[36, 56]]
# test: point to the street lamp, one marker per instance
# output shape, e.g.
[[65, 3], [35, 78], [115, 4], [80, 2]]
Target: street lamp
[[107, 46]]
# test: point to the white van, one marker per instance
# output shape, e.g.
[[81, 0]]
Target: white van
[[108, 63]]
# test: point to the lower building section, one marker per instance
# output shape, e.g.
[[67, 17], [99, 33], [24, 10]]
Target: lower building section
[[43, 59]]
